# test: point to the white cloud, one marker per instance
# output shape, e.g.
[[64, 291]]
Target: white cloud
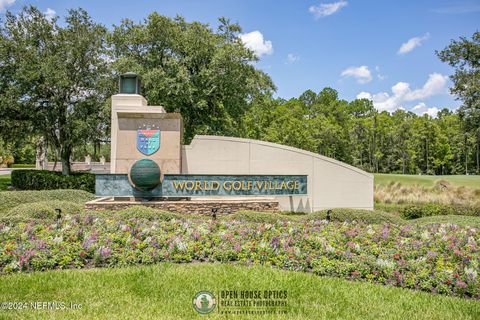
[[254, 41], [50, 13], [422, 109], [326, 9], [420, 106], [436, 84], [432, 112], [412, 43], [364, 95], [5, 3], [362, 74], [292, 58]]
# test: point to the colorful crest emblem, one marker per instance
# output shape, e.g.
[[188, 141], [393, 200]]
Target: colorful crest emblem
[[148, 141]]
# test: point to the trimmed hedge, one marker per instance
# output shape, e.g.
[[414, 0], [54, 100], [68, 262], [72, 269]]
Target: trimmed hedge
[[12, 199], [139, 212], [366, 216], [49, 180], [44, 210], [350, 215], [21, 165], [431, 209]]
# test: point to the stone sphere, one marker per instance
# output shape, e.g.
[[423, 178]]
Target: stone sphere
[[145, 175]]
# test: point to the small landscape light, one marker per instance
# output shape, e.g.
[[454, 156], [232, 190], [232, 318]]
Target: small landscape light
[[214, 213], [328, 215], [59, 212]]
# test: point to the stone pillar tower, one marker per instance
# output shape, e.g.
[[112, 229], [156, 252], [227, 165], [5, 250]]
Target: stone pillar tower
[[140, 131]]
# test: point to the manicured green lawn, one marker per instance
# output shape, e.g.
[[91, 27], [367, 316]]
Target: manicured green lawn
[[5, 181], [427, 181], [165, 291], [22, 166]]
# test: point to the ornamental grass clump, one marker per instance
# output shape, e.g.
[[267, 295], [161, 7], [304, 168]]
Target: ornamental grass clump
[[443, 193], [438, 258]]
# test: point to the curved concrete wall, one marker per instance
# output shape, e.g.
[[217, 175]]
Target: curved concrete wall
[[331, 183]]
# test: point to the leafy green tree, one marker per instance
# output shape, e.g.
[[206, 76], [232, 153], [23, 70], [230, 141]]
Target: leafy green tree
[[464, 56], [402, 131], [54, 78], [186, 67], [360, 131], [356, 133]]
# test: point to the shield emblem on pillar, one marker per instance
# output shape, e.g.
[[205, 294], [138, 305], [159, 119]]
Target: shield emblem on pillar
[[148, 141]]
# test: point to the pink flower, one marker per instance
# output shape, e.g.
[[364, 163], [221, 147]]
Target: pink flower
[[460, 284], [355, 273]]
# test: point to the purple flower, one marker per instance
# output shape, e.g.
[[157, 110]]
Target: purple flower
[[385, 232], [275, 242], [41, 244], [89, 219], [195, 235], [88, 242], [105, 251]]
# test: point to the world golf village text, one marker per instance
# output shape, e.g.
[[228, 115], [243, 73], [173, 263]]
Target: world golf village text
[[244, 185]]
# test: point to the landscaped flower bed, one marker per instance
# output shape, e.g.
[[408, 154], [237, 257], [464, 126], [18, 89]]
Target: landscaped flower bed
[[438, 258]]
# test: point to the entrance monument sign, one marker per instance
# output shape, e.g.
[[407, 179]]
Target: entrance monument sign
[[150, 166]]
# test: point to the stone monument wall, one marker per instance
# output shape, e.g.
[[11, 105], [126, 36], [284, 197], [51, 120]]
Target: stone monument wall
[[331, 183]]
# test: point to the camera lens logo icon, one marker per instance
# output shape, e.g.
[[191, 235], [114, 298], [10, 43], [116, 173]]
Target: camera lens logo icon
[[204, 302]]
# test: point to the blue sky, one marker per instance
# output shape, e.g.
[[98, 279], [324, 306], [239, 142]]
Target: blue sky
[[381, 50]]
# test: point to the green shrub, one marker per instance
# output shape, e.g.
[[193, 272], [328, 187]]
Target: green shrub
[[5, 182], [145, 212], [372, 217], [260, 217], [44, 210], [11, 199], [367, 216], [21, 165], [137, 212], [431, 209], [48, 180], [412, 212]]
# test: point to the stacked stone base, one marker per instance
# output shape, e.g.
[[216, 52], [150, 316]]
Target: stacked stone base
[[190, 206]]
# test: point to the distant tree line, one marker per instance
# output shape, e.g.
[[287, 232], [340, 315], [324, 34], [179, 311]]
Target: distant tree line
[[356, 133], [56, 78]]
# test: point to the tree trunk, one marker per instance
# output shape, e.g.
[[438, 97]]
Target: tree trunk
[[466, 156], [56, 161], [478, 153], [41, 154], [65, 158], [426, 146]]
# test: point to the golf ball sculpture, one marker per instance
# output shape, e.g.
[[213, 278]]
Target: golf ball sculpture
[[145, 175]]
